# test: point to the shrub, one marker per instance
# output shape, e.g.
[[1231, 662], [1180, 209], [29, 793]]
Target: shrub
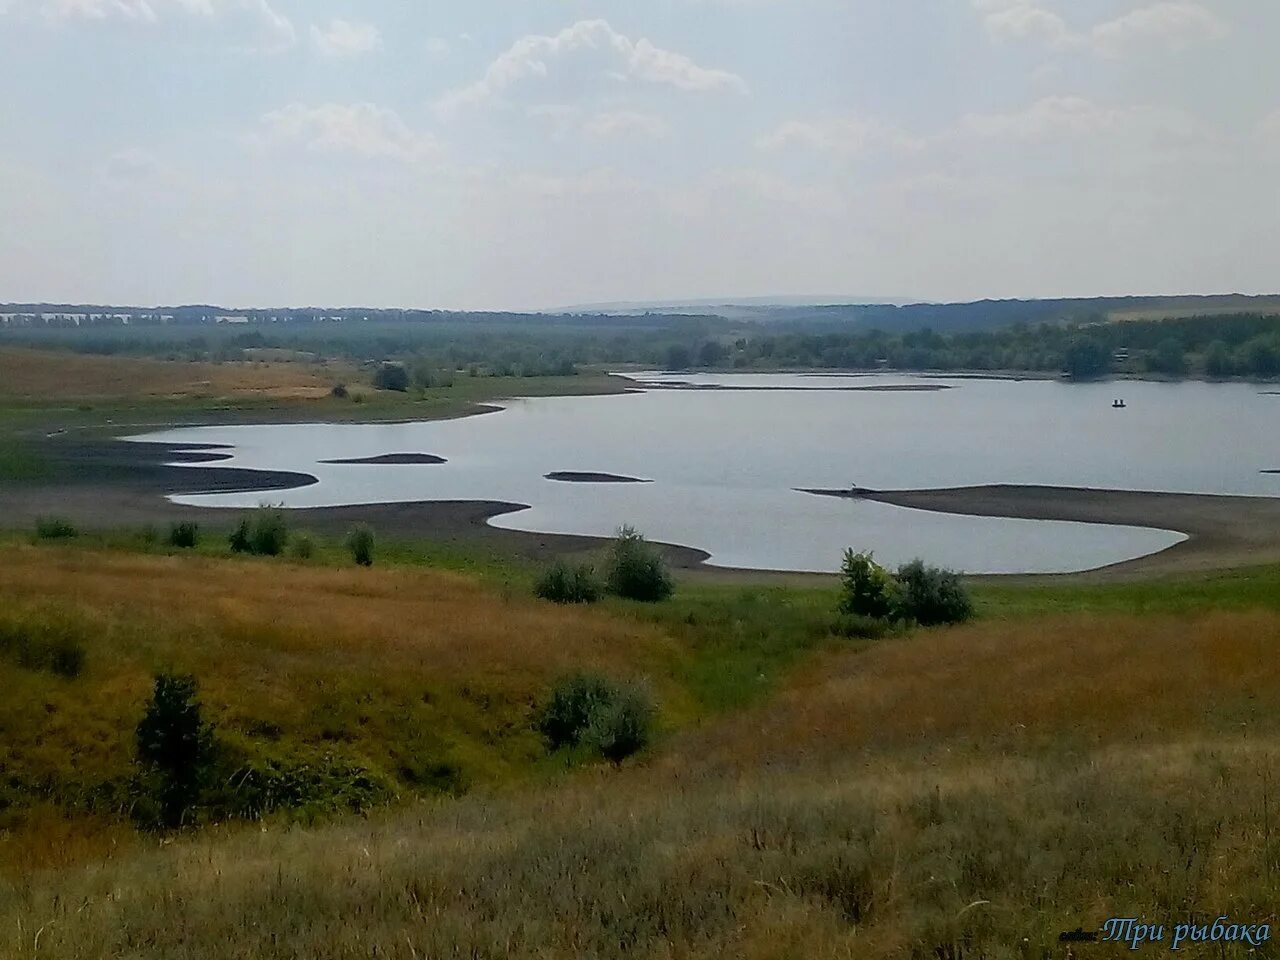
[[301, 546], [339, 391], [264, 534], [391, 376], [623, 726], [866, 588], [55, 528], [569, 584], [185, 534], [360, 543], [587, 709], [176, 745], [932, 596], [636, 570], [572, 708]]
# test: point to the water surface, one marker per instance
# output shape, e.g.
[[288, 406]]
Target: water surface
[[726, 463]]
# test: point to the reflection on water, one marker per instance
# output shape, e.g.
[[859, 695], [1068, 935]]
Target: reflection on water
[[726, 463]]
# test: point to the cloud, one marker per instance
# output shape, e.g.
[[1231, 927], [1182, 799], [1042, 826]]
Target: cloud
[[841, 135], [438, 47], [626, 123], [1072, 116], [267, 29], [1022, 20], [1169, 25], [361, 129], [342, 38], [579, 56], [1268, 129], [1173, 26]]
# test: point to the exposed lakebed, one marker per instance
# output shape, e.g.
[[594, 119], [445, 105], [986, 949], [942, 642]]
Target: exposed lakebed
[[729, 460]]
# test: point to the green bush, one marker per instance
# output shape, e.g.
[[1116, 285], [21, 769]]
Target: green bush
[[569, 584], [391, 376], [866, 588], [572, 707], [185, 534], [301, 546], [360, 543], [636, 570], [931, 596], [264, 534], [55, 528], [624, 725]]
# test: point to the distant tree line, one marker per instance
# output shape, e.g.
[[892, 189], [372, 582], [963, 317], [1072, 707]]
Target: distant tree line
[[1221, 346], [435, 354]]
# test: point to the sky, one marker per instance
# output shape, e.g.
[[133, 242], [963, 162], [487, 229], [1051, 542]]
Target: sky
[[528, 154]]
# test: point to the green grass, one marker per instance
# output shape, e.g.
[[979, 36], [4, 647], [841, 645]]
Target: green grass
[[1253, 588]]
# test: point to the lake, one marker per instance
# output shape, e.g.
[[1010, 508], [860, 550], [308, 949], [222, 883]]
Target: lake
[[727, 456]]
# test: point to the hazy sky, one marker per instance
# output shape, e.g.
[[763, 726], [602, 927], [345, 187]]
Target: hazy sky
[[534, 153]]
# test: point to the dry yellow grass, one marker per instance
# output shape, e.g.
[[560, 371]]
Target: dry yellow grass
[[46, 375], [958, 793], [1081, 680], [389, 670]]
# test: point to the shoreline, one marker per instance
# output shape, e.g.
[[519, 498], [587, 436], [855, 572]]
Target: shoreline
[[1223, 531]]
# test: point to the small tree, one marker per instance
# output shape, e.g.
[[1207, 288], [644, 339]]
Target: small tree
[[360, 543], [176, 744], [866, 588], [636, 570], [932, 596]]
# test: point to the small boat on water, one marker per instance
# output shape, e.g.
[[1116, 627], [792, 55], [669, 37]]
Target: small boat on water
[[1118, 405]]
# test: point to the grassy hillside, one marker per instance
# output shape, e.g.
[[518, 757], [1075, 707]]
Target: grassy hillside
[[1073, 755], [963, 792]]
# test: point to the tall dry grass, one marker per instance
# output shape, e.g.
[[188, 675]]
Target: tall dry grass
[[945, 858], [959, 793], [394, 671]]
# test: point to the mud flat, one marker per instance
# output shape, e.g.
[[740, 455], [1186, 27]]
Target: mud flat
[[1222, 531], [393, 459], [572, 476]]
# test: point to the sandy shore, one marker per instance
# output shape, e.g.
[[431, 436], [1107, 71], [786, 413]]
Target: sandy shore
[[1222, 531]]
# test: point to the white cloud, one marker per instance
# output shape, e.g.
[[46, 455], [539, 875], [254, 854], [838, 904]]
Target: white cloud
[[579, 56], [342, 38], [624, 123], [362, 129], [266, 28], [1173, 26], [841, 135], [438, 47], [1022, 20], [1170, 25]]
